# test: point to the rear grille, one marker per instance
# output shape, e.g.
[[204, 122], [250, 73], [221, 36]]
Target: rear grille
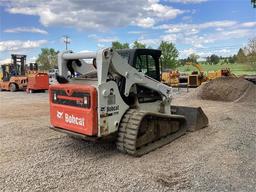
[[77, 99]]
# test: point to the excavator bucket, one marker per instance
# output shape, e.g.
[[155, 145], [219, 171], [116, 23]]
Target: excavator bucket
[[195, 116]]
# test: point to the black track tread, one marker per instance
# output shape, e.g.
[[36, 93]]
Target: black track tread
[[128, 130]]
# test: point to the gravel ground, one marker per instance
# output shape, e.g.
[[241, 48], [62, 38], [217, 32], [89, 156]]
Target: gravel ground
[[220, 157]]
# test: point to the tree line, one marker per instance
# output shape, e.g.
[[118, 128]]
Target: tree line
[[47, 59], [246, 55], [169, 57]]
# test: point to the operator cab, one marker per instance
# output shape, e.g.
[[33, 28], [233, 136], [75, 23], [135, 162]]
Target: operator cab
[[144, 60], [147, 62]]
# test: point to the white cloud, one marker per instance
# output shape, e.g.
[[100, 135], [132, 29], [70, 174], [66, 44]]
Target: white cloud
[[236, 33], [5, 61], [169, 38], [84, 51], [187, 1], [31, 59], [8, 60], [186, 18], [101, 39], [145, 22], [174, 30], [186, 52], [135, 32], [100, 45], [155, 42], [213, 24], [94, 15], [107, 40], [163, 11], [25, 29], [150, 42], [200, 26], [219, 29], [205, 39], [249, 24], [207, 52], [198, 35], [16, 45]]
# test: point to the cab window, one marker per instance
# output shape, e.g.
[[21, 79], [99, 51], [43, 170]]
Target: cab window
[[146, 64]]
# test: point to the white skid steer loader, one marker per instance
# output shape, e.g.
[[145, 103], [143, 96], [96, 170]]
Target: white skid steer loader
[[118, 95]]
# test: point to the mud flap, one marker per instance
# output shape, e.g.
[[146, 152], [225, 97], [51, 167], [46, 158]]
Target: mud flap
[[195, 116]]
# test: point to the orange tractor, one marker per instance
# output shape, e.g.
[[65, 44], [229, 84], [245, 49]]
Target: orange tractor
[[16, 77]]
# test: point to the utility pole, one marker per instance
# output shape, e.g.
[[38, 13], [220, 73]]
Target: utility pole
[[66, 41]]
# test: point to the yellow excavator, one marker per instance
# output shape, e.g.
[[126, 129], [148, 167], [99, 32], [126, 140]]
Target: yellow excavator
[[197, 77]]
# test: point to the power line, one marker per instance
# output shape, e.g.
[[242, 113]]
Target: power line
[[66, 41]]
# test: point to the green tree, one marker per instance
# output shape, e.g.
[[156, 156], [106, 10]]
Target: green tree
[[137, 44], [169, 55], [182, 62], [251, 49], [214, 59], [119, 45], [47, 59], [231, 59], [208, 60], [193, 58], [241, 57]]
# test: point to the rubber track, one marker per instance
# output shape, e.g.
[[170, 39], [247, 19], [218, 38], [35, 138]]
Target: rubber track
[[128, 131]]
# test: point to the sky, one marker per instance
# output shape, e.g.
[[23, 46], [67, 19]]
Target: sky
[[203, 27]]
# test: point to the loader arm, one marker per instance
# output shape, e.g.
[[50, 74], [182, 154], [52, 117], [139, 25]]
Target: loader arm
[[133, 76], [110, 62]]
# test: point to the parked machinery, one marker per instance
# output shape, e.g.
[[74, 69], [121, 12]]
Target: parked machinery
[[37, 81], [14, 74], [171, 78], [225, 72], [122, 99], [17, 76], [197, 77]]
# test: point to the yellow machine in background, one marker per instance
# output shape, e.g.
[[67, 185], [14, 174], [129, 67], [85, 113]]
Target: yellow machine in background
[[197, 77], [219, 73], [171, 78], [1, 74]]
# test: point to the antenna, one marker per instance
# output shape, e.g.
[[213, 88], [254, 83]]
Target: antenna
[[66, 41]]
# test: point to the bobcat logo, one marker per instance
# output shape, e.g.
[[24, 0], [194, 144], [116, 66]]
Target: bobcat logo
[[59, 115]]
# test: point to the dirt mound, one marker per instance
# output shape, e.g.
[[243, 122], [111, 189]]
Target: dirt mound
[[228, 89]]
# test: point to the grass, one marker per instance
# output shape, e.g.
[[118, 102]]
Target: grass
[[237, 69]]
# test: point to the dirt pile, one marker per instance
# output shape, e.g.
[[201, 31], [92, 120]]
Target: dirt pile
[[228, 89]]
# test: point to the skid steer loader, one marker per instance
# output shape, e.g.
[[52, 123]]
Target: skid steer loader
[[118, 95]]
